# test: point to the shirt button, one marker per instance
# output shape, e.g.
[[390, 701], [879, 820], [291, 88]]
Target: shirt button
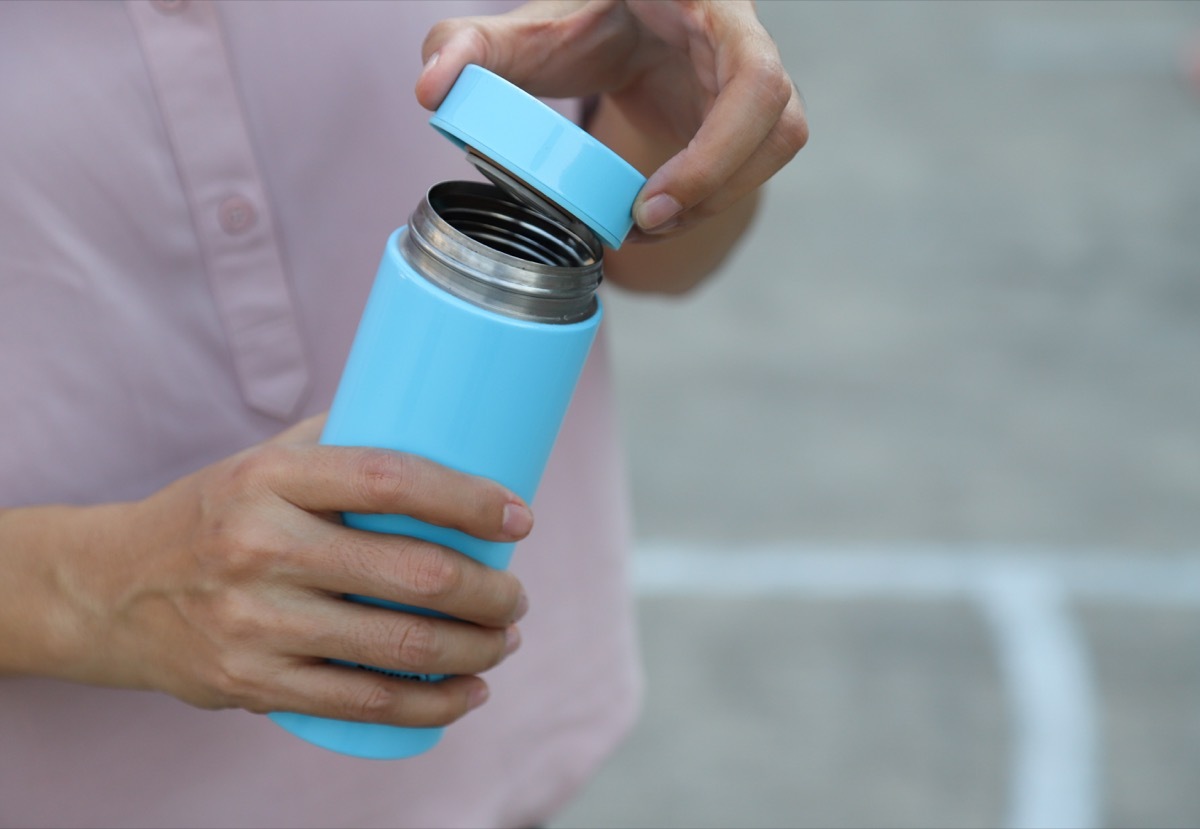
[[169, 6], [236, 215]]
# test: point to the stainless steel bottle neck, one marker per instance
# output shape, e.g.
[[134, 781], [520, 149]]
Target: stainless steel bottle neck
[[483, 246]]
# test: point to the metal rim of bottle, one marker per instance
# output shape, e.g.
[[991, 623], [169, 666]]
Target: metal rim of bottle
[[482, 245]]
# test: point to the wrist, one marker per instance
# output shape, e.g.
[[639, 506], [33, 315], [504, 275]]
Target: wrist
[[50, 600]]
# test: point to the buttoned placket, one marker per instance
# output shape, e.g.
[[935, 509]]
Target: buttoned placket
[[189, 67]]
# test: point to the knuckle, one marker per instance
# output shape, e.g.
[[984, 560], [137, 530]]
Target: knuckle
[[418, 645], [258, 707], [227, 685], [482, 45], [372, 559], [251, 470], [772, 82], [385, 478], [239, 547], [443, 30], [439, 33], [256, 697], [232, 534], [792, 131], [232, 684], [467, 28], [375, 702], [237, 618], [432, 574]]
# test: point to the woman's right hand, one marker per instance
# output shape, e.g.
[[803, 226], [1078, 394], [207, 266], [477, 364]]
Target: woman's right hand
[[225, 588]]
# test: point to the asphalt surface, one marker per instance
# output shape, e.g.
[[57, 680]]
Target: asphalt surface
[[917, 478]]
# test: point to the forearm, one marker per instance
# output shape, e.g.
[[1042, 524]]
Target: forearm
[[39, 630], [681, 261]]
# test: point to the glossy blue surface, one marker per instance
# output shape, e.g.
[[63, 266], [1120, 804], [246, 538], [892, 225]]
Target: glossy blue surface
[[544, 149], [437, 376]]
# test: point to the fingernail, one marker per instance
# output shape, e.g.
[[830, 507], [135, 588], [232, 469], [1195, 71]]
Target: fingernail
[[518, 520], [522, 608], [656, 212], [429, 64], [477, 696], [512, 639]]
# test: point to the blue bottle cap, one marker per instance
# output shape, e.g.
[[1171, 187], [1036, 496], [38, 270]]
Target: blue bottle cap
[[537, 154]]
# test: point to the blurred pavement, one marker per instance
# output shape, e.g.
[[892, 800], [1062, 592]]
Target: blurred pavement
[[917, 478]]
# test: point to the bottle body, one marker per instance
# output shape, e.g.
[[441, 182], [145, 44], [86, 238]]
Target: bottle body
[[472, 388], [458, 384]]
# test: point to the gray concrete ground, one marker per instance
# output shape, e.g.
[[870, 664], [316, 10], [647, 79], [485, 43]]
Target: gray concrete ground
[[966, 331]]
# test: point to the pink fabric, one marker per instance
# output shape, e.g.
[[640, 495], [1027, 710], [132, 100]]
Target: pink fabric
[[193, 203]]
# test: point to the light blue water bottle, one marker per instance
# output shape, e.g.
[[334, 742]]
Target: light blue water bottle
[[478, 325]]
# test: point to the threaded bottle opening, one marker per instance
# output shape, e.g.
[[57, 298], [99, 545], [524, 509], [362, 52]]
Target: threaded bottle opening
[[482, 245]]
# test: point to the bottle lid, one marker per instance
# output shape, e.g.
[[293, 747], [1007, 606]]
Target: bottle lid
[[538, 155]]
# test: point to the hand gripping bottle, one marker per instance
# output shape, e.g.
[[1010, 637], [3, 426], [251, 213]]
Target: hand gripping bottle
[[477, 327]]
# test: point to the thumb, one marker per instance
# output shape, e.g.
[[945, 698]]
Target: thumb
[[450, 46], [524, 46]]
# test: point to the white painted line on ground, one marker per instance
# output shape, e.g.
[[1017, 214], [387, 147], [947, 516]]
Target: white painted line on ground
[[661, 568], [1043, 659], [1024, 595]]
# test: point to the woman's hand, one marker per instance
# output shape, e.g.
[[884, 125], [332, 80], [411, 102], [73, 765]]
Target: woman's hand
[[694, 92], [225, 588]]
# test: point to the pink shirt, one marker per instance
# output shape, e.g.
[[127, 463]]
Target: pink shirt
[[193, 200]]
